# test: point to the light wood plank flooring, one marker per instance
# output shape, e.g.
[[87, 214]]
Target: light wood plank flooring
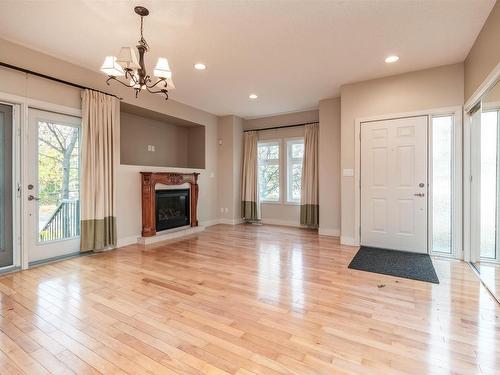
[[243, 300]]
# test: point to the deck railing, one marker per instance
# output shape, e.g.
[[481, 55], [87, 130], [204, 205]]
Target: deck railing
[[64, 222]]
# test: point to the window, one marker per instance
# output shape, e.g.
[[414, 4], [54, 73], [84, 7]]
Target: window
[[269, 171], [295, 154], [442, 183]]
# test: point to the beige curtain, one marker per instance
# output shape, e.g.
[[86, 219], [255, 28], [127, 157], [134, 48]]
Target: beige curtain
[[309, 202], [250, 205], [101, 124]]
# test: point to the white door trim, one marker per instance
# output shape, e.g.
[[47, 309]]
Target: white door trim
[[23, 103], [456, 111], [488, 83]]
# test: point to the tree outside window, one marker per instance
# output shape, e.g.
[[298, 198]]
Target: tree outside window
[[269, 171], [295, 155]]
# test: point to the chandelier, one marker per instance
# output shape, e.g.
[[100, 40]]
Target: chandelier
[[134, 71]]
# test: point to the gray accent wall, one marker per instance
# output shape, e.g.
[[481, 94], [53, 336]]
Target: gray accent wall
[[174, 145]]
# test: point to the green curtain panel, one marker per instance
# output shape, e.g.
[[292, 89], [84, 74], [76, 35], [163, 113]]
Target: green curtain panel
[[250, 205], [309, 199], [100, 125]]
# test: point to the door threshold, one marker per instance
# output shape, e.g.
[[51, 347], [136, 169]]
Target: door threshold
[[9, 269], [41, 262]]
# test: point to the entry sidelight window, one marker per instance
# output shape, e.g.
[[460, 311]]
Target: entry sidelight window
[[442, 183]]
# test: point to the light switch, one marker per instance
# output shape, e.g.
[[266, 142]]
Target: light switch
[[348, 172]]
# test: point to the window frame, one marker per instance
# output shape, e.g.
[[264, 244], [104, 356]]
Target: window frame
[[277, 162], [453, 176], [485, 108], [290, 161]]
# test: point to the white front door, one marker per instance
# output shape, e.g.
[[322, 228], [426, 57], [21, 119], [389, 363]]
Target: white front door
[[53, 195], [394, 184]]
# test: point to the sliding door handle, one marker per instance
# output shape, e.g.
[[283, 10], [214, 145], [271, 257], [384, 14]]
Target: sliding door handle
[[419, 195]]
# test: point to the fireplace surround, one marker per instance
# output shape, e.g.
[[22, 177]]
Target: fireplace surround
[[149, 181]]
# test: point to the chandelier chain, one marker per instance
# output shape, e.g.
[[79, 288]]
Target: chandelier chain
[[142, 40]]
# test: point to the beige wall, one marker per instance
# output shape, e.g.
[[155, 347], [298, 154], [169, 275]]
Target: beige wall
[[421, 90], [230, 154], [129, 212], [237, 166], [329, 166], [484, 54], [282, 120]]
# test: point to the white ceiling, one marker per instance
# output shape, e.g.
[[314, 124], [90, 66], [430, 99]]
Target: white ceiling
[[291, 53]]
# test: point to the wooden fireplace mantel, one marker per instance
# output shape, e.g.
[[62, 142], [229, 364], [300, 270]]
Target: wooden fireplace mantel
[[149, 181]]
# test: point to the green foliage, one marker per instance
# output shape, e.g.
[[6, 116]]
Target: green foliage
[[58, 162]]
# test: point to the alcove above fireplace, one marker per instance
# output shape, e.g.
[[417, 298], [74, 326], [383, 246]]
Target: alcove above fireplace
[[169, 208]]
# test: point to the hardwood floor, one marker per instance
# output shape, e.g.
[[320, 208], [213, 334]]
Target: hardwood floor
[[243, 300]]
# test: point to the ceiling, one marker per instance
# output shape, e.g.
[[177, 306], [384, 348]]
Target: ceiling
[[290, 53]]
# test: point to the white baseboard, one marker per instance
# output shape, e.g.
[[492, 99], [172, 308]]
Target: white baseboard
[[230, 221], [209, 223], [285, 223], [127, 241], [329, 232], [349, 241], [170, 235]]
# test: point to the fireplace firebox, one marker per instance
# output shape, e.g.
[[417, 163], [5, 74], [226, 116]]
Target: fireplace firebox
[[172, 209]]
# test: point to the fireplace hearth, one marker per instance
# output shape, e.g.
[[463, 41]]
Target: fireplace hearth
[[172, 208]]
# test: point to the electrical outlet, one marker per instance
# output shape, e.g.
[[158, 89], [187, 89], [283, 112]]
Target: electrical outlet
[[221, 210], [226, 210], [153, 148]]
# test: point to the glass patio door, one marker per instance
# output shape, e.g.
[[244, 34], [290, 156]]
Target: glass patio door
[[53, 185], [6, 187]]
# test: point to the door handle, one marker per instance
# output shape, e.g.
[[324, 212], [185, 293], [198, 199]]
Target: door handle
[[32, 198], [419, 194]]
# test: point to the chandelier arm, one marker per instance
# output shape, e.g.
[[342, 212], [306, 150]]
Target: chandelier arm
[[162, 91], [117, 80], [129, 74], [157, 82]]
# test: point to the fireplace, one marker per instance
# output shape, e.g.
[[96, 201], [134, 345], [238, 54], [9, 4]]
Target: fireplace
[[149, 199], [172, 209]]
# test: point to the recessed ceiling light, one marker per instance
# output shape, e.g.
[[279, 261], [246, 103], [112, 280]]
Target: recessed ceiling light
[[200, 66], [391, 59], [253, 96]]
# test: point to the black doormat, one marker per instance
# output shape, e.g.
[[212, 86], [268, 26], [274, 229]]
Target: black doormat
[[395, 263]]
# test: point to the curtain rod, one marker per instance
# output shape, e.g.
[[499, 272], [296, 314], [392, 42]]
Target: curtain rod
[[281, 127], [27, 71]]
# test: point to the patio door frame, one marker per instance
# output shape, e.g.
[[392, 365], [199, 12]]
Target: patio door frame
[[50, 249], [469, 157], [16, 178], [21, 105]]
